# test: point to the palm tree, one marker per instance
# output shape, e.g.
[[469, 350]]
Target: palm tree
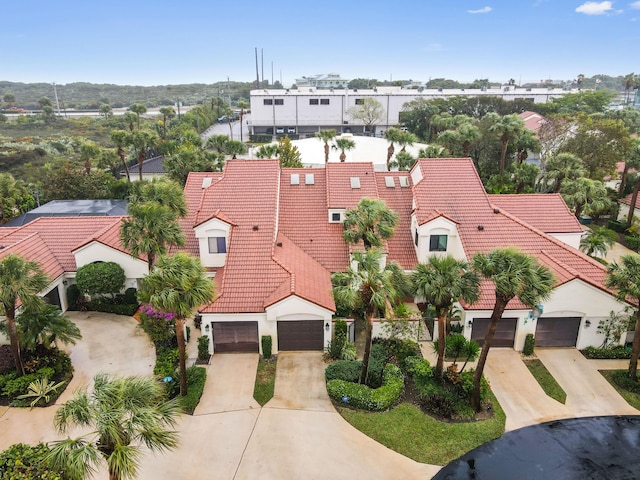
[[585, 196], [392, 135], [106, 110], [235, 148], [371, 221], [468, 134], [628, 82], [508, 128], [167, 113], [178, 285], [242, 105], [370, 287], [560, 167], [326, 136], [526, 142], [124, 413], [121, 139], [441, 282], [150, 229], [218, 142], [625, 278], [138, 109], [164, 192], [634, 160], [141, 142], [404, 161], [406, 139], [597, 241], [514, 274], [268, 151], [344, 145], [20, 280], [46, 326]]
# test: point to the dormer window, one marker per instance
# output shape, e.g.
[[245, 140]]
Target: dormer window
[[336, 217], [217, 245], [438, 243]]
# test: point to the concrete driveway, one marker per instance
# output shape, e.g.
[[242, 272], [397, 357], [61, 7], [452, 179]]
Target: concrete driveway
[[111, 344], [588, 393]]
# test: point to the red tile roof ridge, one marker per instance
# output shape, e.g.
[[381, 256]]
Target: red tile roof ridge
[[98, 237], [16, 242], [219, 215], [437, 214]]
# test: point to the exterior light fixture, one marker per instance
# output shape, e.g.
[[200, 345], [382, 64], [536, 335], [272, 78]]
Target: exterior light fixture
[[587, 323], [327, 326], [206, 328]]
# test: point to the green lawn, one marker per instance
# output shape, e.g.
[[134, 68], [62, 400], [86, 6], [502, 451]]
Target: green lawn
[[546, 380], [632, 398], [265, 380], [410, 432]]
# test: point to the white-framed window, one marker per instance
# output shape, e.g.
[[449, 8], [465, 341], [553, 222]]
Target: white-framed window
[[438, 243], [217, 245]]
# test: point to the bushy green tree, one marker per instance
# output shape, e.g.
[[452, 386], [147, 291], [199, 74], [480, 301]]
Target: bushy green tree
[[100, 278]]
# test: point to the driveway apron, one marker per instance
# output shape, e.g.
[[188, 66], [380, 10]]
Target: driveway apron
[[588, 392], [521, 397]]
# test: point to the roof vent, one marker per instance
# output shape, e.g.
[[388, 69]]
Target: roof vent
[[309, 179], [355, 182], [404, 181], [496, 210], [206, 182], [279, 244], [389, 182], [481, 227], [295, 179], [255, 227]]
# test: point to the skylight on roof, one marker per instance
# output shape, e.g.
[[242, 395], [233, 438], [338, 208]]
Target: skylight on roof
[[295, 179], [355, 182], [206, 182], [309, 179], [389, 182], [404, 181]]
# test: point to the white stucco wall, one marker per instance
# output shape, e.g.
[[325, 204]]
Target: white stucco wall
[[438, 226], [571, 239], [134, 268], [213, 228]]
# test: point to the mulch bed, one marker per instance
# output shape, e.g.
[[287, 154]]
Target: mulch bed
[[6, 359]]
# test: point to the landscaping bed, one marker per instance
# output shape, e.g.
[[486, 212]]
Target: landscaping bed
[[544, 378], [627, 388], [265, 380]]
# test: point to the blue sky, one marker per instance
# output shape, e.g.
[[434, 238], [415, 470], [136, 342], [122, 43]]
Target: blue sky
[[169, 42]]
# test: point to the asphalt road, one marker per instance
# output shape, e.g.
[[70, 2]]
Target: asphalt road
[[231, 130]]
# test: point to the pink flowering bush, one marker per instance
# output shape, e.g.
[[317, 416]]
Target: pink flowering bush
[[160, 326]]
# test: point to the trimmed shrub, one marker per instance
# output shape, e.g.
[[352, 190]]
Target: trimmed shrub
[[24, 462], [73, 294], [420, 370], [336, 346], [100, 278], [617, 352], [363, 397], [377, 361], [347, 370], [632, 242], [529, 344], [616, 226], [166, 362], [196, 378], [622, 379], [131, 296], [103, 305], [267, 343], [203, 348]]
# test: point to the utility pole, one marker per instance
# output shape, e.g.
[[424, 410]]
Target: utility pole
[[55, 92], [257, 71]]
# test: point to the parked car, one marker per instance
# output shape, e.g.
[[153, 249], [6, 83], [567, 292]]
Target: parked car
[[222, 119], [291, 130], [279, 129]]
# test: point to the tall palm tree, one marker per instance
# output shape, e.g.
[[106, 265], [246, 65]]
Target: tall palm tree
[[597, 241], [514, 274], [162, 191], [326, 136], [138, 109], [634, 161], [235, 148], [371, 221], [560, 167], [121, 139], [141, 142], [124, 413], [20, 281], [508, 128], [344, 145], [391, 135], [178, 285], [628, 82], [441, 282], [268, 151], [167, 114], [242, 105], [468, 134], [624, 277], [406, 139], [370, 287], [150, 229], [218, 142], [525, 142]]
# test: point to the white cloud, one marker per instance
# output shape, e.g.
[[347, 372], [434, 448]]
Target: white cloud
[[482, 10], [635, 5], [595, 8]]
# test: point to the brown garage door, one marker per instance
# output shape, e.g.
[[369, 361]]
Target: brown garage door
[[557, 331], [301, 335], [505, 331], [235, 337]]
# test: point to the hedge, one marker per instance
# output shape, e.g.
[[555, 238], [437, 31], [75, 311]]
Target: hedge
[[618, 352], [616, 226], [118, 309], [347, 370], [196, 378], [632, 242], [365, 398]]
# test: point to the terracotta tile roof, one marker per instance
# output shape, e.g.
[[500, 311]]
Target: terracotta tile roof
[[340, 193], [307, 278], [400, 200], [304, 218], [547, 212], [532, 120], [33, 247], [627, 200], [499, 229]]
